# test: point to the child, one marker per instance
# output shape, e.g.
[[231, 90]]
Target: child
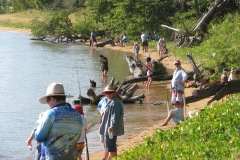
[[154, 66], [176, 115], [224, 77], [29, 141], [232, 74], [148, 64], [136, 51], [80, 143]]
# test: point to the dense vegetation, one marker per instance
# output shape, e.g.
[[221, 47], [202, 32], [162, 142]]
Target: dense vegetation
[[214, 134]]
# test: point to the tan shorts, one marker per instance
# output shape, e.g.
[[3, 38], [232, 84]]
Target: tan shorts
[[80, 147]]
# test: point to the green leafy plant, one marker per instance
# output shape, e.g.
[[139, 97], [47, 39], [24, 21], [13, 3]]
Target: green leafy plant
[[214, 134]]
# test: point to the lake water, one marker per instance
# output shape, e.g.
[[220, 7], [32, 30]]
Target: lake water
[[28, 67]]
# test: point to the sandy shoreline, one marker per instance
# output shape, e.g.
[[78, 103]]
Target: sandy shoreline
[[134, 140]]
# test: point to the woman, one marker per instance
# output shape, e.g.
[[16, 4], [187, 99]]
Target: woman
[[104, 66], [148, 64]]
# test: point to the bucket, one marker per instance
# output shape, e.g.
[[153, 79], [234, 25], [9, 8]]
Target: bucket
[[193, 114]]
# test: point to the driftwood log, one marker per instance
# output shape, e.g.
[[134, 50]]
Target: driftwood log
[[218, 91], [109, 41], [138, 70], [126, 91]]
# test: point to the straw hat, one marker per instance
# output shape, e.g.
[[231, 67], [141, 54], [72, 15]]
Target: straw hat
[[54, 89], [109, 88]]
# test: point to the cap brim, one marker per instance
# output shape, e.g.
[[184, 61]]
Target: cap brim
[[42, 99], [103, 93]]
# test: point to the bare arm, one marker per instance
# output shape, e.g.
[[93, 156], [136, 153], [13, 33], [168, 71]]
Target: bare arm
[[29, 141], [170, 116]]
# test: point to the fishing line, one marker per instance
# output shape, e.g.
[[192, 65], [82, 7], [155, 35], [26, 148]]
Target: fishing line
[[167, 102], [80, 99]]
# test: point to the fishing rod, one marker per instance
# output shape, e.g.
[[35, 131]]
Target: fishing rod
[[80, 99]]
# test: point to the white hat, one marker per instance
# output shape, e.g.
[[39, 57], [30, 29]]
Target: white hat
[[54, 89]]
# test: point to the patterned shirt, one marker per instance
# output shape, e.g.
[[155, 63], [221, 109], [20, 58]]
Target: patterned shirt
[[59, 132]]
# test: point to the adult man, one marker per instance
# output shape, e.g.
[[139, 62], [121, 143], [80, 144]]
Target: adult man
[[60, 127], [144, 38], [176, 115], [94, 38], [177, 85], [112, 121]]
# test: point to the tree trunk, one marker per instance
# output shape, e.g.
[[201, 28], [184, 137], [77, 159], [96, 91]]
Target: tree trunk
[[204, 20]]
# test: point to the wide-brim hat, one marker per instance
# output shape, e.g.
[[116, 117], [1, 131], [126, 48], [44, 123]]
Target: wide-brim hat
[[109, 88], [54, 89]]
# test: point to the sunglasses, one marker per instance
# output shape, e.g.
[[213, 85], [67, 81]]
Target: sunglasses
[[108, 92], [48, 99]]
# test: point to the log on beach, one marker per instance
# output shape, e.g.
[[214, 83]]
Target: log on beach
[[218, 91]]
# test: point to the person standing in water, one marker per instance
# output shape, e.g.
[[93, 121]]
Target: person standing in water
[[104, 67]]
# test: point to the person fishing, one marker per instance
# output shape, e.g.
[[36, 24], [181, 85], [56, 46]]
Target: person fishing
[[61, 125], [177, 84]]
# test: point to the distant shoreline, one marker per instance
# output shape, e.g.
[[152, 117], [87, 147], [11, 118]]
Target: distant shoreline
[[15, 29]]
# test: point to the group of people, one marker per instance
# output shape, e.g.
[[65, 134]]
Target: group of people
[[177, 90], [224, 76], [60, 134]]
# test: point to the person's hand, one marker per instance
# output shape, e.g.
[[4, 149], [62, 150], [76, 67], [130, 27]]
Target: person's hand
[[29, 144], [110, 130]]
